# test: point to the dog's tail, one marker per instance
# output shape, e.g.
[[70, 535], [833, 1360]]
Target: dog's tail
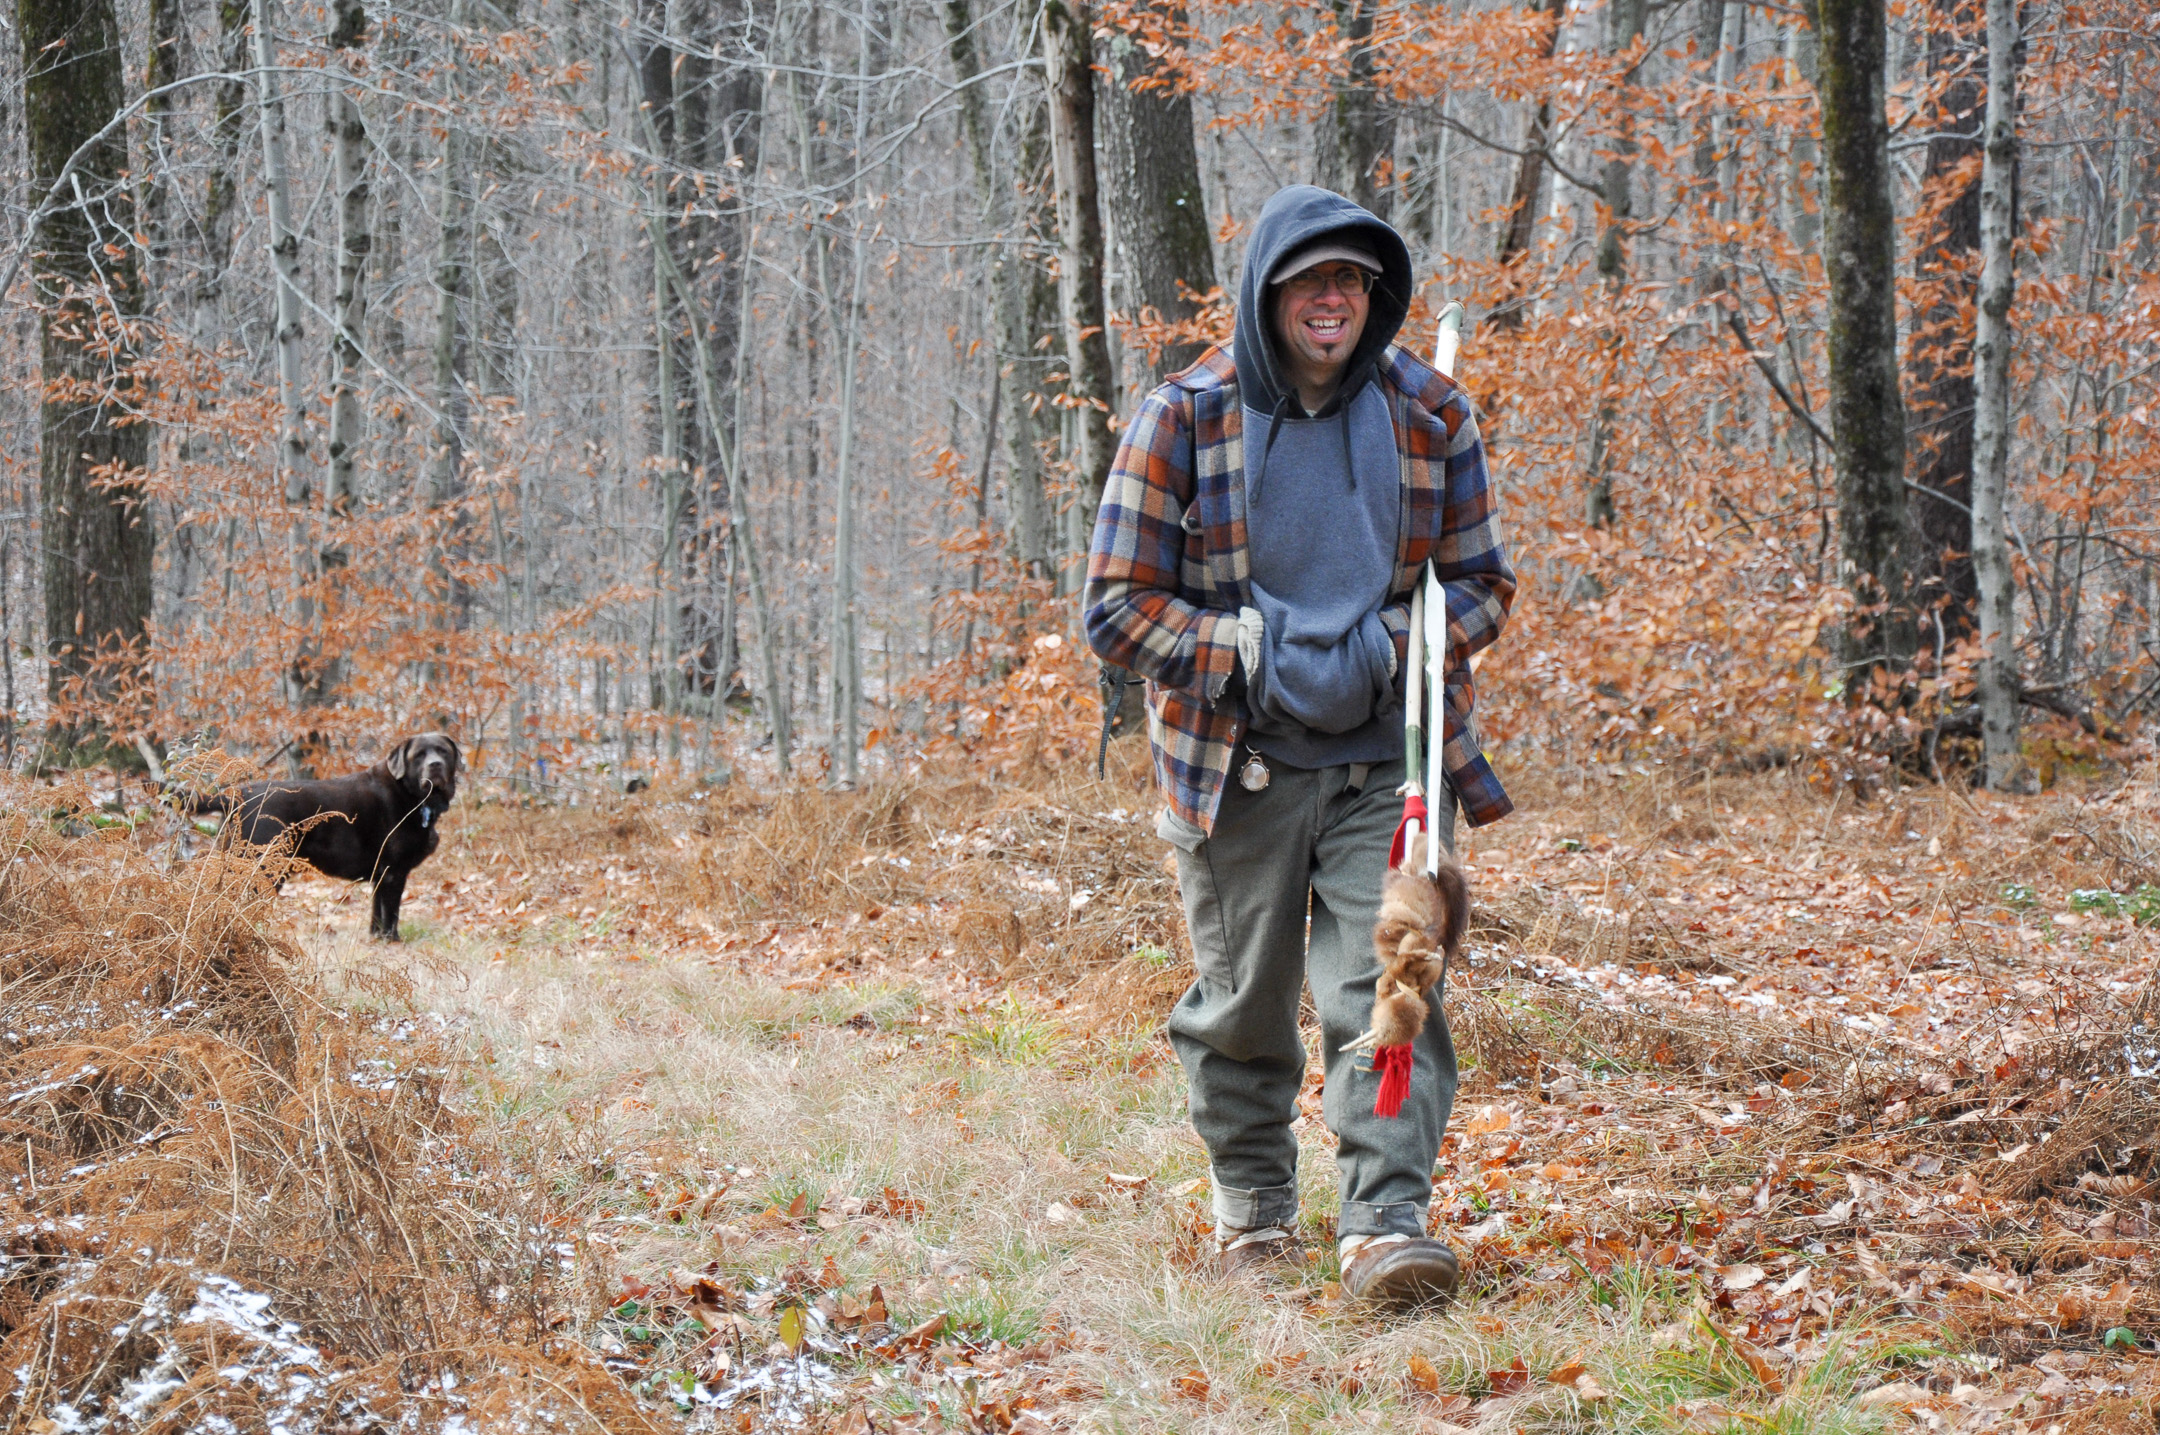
[[194, 781], [195, 804]]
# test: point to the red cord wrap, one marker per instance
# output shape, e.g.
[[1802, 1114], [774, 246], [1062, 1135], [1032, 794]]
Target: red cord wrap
[[1393, 1064], [1413, 810]]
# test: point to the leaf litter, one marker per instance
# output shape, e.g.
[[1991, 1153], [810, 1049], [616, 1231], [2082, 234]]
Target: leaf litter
[[1834, 1072]]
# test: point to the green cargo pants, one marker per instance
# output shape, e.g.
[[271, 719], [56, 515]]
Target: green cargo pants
[[1311, 845]]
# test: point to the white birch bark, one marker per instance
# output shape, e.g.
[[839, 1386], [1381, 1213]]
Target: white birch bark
[[1991, 420]]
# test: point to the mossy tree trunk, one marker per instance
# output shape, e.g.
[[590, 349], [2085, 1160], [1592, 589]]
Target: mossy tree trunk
[[98, 534], [1992, 418], [1867, 408], [1156, 210]]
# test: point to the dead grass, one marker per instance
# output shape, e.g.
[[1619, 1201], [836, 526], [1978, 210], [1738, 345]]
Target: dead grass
[[231, 1192]]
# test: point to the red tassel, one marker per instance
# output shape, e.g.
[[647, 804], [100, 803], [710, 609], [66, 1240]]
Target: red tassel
[[1393, 1064], [1413, 810]]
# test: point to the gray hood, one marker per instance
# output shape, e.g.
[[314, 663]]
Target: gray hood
[[1293, 219]]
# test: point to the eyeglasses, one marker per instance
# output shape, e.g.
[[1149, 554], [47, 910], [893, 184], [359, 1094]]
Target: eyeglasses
[[1350, 281]]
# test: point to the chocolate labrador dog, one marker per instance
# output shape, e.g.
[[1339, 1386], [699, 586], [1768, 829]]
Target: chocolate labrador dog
[[370, 826]]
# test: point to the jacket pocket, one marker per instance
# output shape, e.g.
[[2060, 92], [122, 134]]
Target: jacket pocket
[[1179, 833]]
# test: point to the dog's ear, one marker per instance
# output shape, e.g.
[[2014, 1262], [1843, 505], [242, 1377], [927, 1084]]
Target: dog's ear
[[396, 760], [457, 755]]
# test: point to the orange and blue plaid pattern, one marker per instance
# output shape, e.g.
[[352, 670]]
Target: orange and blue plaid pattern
[[1168, 569]]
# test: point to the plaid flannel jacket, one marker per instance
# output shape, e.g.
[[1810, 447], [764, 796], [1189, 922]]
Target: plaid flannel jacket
[[1169, 569]]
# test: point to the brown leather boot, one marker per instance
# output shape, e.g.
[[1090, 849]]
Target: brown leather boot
[[1399, 1273], [1267, 1253]]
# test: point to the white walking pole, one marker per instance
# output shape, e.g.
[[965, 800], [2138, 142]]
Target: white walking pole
[[1445, 348]]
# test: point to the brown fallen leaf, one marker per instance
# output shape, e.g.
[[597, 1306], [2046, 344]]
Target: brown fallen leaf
[[1488, 1122], [1569, 1373], [1510, 1380], [922, 1336], [1587, 1389], [2125, 1186], [1423, 1376], [1740, 1278], [1193, 1385]]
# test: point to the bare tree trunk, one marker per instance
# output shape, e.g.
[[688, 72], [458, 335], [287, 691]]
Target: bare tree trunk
[[97, 535], [221, 195], [1804, 224], [1041, 315], [1070, 51], [348, 132], [1156, 208], [445, 480], [1867, 410], [168, 33], [1623, 27], [1939, 358], [1522, 209], [846, 652], [1013, 274], [1732, 36], [284, 259], [667, 654], [1355, 139], [1991, 429]]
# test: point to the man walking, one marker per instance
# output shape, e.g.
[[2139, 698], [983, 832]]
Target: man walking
[[1260, 536]]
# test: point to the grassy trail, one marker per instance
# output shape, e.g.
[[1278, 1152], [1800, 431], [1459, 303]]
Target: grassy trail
[[860, 1161]]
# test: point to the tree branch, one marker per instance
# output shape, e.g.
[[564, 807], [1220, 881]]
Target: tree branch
[[1777, 385]]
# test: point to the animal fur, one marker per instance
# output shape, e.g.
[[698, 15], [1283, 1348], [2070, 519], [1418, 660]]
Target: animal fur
[[371, 826], [1420, 927]]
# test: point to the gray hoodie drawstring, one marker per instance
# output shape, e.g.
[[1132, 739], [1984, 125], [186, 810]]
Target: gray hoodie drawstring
[[1275, 423]]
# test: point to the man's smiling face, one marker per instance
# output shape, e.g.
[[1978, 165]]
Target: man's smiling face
[[1318, 319]]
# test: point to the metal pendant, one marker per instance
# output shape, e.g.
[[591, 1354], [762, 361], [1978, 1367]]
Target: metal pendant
[[1254, 775]]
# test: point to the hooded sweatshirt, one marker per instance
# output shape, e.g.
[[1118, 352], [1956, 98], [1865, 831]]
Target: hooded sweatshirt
[[1323, 505]]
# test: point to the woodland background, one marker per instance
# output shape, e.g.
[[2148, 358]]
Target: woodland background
[[676, 389], [571, 374]]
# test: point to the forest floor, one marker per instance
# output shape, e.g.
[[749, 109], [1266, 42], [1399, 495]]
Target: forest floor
[[853, 1111], [1780, 1112]]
